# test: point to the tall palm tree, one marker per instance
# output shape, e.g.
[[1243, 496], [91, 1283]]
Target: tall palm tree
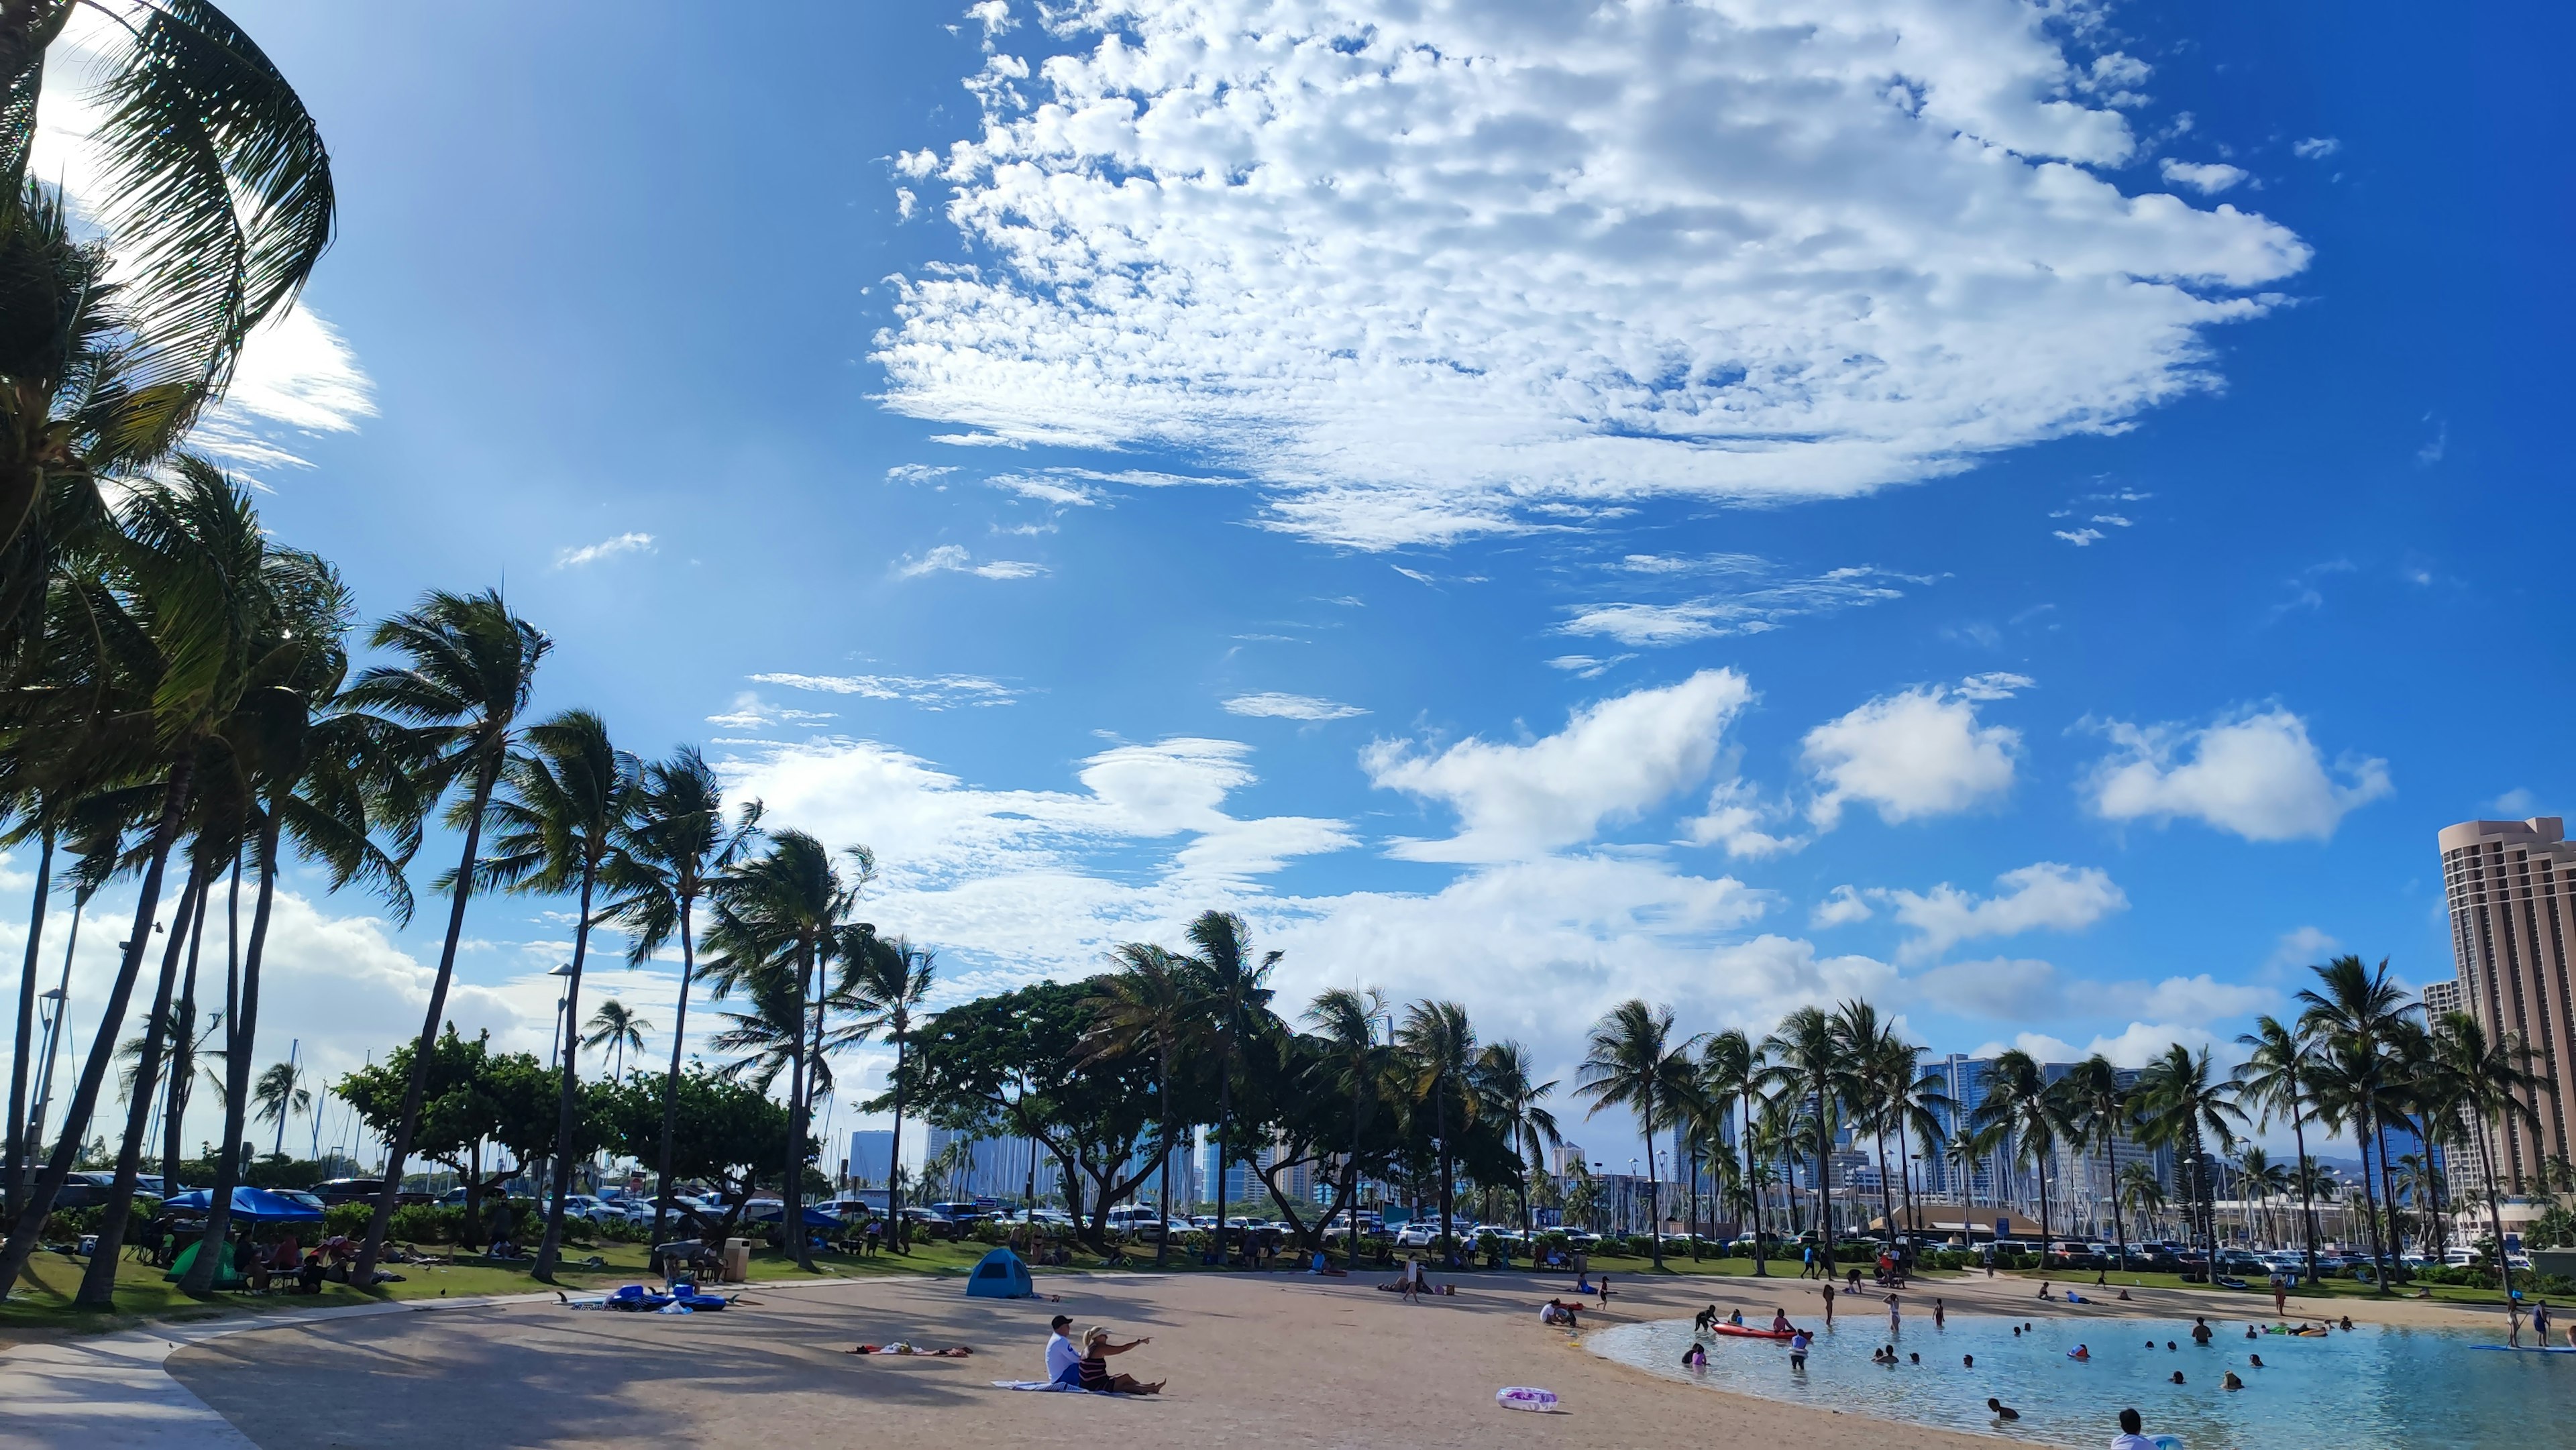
[[2491, 1082], [617, 1027], [674, 846], [1920, 1109], [216, 187], [2018, 1102], [1148, 1007], [2099, 1114], [2356, 1010], [780, 918], [2183, 1103], [1507, 1098], [1631, 1061], [889, 980], [1238, 998], [171, 628], [468, 667], [1439, 1047], [279, 1093], [1806, 1067], [1729, 1081], [2142, 1193], [1347, 1020], [1883, 1069], [2274, 1080]]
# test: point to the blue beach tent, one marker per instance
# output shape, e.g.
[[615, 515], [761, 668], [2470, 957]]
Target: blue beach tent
[[999, 1275], [255, 1205]]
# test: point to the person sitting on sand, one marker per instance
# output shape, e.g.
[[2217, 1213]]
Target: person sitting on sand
[[1096, 1349], [2043, 1290], [1582, 1284], [1557, 1311], [960, 1351], [2124, 1296]]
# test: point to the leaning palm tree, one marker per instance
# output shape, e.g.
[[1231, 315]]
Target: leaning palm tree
[[2274, 1080], [1508, 1099], [215, 186], [2019, 1103], [2490, 1082], [674, 846], [468, 667], [2357, 1011], [1347, 1020], [1438, 1044], [279, 1093], [888, 980], [1631, 1061], [1147, 1008], [1238, 1002], [617, 1027], [1807, 1069]]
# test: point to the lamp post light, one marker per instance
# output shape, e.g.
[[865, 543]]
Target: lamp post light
[[563, 1028]]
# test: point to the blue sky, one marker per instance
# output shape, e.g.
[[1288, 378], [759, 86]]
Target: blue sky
[[2037, 521]]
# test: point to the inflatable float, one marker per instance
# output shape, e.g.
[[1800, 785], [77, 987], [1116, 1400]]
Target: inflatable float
[[1747, 1331], [1524, 1397]]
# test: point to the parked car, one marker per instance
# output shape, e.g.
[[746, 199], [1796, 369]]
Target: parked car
[[352, 1190], [1418, 1234], [923, 1223]]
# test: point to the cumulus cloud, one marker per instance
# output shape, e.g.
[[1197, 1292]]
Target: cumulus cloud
[[2040, 896], [626, 543], [1752, 601], [1914, 754], [2082, 538], [1276, 705], [2315, 148], [1612, 760], [750, 712], [2257, 775], [1586, 667], [953, 559], [1841, 907], [1433, 271], [937, 692], [1736, 819], [2209, 178]]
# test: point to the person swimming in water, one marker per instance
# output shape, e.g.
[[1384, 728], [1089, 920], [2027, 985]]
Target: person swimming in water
[[2079, 1352], [1967, 1361], [2001, 1410], [2255, 1360], [2177, 1379], [1695, 1357], [2231, 1382]]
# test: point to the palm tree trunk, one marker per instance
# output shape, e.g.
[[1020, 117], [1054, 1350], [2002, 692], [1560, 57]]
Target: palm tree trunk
[[2388, 1191], [241, 1033], [183, 1053], [550, 1250], [14, 1159], [1886, 1205], [2495, 1216], [1448, 1171], [894, 1154], [2043, 1146], [1224, 1108], [30, 1222], [98, 1283], [363, 1273], [1753, 1182], [1163, 1171], [1654, 1203], [2307, 1195], [800, 1112], [1824, 1184], [671, 1084], [2378, 1245]]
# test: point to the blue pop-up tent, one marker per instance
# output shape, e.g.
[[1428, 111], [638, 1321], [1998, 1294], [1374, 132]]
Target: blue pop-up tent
[[999, 1275], [255, 1205]]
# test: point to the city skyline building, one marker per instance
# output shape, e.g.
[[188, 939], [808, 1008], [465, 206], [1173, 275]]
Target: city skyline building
[[2511, 890]]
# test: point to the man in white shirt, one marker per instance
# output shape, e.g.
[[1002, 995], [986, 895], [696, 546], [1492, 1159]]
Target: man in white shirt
[[2129, 1438], [1063, 1361]]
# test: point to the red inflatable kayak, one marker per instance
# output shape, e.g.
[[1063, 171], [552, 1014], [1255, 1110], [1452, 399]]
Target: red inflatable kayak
[[1747, 1331]]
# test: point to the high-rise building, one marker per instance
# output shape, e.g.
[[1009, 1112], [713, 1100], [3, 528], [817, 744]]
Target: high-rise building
[[989, 1167], [871, 1156], [2443, 997], [2512, 892]]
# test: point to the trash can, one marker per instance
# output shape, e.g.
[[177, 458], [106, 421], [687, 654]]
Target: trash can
[[737, 1261]]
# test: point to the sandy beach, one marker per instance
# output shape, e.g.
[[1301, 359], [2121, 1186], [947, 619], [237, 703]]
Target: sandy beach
[[1252, 1359]]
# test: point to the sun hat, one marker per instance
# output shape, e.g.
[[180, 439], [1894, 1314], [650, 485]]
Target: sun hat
[[1097, 1331]]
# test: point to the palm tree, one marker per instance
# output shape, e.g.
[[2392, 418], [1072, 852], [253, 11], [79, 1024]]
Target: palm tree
[[2492, 1083], [469, 667], [217, 188], [674, 845], [1439, 1046], [1631, 1061], [2019, 1102], [1148, 1007], [2184, 1104], [2099, 1114], [1347, 1021], [1506, 1098], [2355, 1013], [2274, 1080], [1238, 997], [1919, 1108], [2264, 1180], [1807, 1068], [889, 980], [2142, 1192], [1729, 1072], [1883, 1072], [617, 1027], [280, 1093]]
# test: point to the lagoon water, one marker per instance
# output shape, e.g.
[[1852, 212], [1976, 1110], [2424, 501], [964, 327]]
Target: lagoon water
[[2402, 1389]]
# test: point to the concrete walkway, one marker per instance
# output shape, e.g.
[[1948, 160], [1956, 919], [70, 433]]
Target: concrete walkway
[[112, 1390]]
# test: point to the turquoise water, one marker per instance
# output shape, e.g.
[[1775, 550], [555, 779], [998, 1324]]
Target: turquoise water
[[2403, 1389]]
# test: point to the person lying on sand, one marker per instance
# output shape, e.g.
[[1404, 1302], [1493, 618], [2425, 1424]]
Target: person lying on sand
[[960, 1351], [1095, 1365]]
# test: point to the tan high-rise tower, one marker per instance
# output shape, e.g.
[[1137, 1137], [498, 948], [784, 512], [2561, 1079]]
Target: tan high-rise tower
[[2512, 891]]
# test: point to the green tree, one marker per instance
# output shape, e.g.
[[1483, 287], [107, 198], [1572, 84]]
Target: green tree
[[1439, 1048], [2490, 1081], [2184, 1104], [280, 1094], [1631, 1061], [617, 1027], [2018, 1102], [1509, 1103], [717, 1131], [468, 667], [1730, 1073], [2274, 1080], [1807, 1067], [1347, 1022], [2356, 1010], [888, 981], [2098, 1112], [1238, 998], [1148, 1008]]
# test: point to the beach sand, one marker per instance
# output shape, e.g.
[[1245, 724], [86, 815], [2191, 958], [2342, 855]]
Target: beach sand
[[1268, 1359]]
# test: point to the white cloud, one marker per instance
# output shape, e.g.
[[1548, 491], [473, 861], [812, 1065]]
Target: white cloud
[[627, 543], [2315, 148], [1994, 685], [750, 712], [2082, 537], [1586, 667], [2257, 775], [1613, 759], [1841, 907], [2208, 178], [1911, 755], [937, 692], [1753, 607], [2516, 804], [953, 559], [919, 472], [1277, 705], [2303, 946], [1433, 271], [1735, 820], [2040, 896]]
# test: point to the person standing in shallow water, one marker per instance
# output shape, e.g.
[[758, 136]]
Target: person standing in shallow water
[[1829, 1303]]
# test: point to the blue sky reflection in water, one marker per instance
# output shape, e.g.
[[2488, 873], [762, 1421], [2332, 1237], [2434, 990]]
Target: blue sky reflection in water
[[2411, 1388]]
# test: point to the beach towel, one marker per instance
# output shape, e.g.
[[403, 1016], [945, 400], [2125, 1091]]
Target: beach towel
[[1050, 1386], [1523, 1397]]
